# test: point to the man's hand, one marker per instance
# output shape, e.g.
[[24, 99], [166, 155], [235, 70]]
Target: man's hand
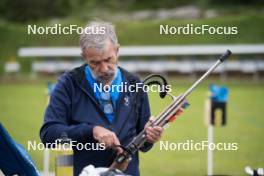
[[103, 135], [153, 133]]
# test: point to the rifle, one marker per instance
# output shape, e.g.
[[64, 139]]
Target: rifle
[[167, 115]]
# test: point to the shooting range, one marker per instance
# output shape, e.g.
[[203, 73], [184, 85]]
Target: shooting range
[[216, 83]]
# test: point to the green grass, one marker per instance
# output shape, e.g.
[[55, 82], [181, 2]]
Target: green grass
[[22, 106], [250, 27], [245, 127], [14, 36]]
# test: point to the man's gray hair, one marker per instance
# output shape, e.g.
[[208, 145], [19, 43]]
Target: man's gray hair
[[99, 33]]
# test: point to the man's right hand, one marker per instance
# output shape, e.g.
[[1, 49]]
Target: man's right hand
[[107, 137]]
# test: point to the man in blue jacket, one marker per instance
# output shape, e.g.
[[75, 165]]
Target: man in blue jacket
[[87, 115]]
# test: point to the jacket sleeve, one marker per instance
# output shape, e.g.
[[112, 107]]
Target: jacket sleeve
[[58, 113], [144, 115]]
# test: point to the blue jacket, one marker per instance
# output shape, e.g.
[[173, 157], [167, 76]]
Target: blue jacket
[[73, 109]]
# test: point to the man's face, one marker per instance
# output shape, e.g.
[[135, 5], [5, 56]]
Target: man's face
[[103, 63]]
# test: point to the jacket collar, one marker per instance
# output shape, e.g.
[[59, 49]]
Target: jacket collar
[[79, 76]]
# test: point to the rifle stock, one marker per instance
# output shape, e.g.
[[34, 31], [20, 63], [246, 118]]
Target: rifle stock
[[122, 160]]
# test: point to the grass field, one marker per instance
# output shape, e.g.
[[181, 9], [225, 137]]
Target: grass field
[[13, 36], [22, 106]]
